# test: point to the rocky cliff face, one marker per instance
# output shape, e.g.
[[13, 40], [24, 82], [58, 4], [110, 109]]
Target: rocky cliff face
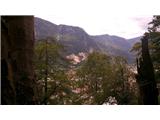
[[74, 39], [44, 28], [17, 53]]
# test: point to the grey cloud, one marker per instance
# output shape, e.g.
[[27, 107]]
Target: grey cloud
[[142, 21]]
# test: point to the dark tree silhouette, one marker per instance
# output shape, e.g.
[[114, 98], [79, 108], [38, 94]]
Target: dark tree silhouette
[[146, 77]]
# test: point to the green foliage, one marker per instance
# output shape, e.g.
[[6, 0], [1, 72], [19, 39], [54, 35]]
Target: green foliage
[[154, 45], [155, 24], [155, 40], [93, 81], [58, 83], [103, 76], [136, 48], [94, 72]]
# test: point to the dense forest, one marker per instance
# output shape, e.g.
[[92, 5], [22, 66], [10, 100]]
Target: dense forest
[[40, 71]]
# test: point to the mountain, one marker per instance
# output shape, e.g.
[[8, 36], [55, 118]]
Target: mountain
[[114, 41], [134, 40], [44, 28], [114, 45], [76, 40]]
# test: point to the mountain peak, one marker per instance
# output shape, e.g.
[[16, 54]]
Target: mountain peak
[[70, 29]]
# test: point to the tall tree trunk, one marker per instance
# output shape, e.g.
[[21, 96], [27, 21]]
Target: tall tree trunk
[[46, 73], [20, 36], [145, 77]]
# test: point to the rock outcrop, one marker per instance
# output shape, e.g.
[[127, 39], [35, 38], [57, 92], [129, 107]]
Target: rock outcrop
[[18, 81]]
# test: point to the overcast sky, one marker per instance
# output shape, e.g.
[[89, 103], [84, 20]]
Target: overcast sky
[[126, 18], [98, 17], [124, 26]]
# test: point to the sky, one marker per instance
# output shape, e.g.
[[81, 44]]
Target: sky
[[125, 18], [123, 26]]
